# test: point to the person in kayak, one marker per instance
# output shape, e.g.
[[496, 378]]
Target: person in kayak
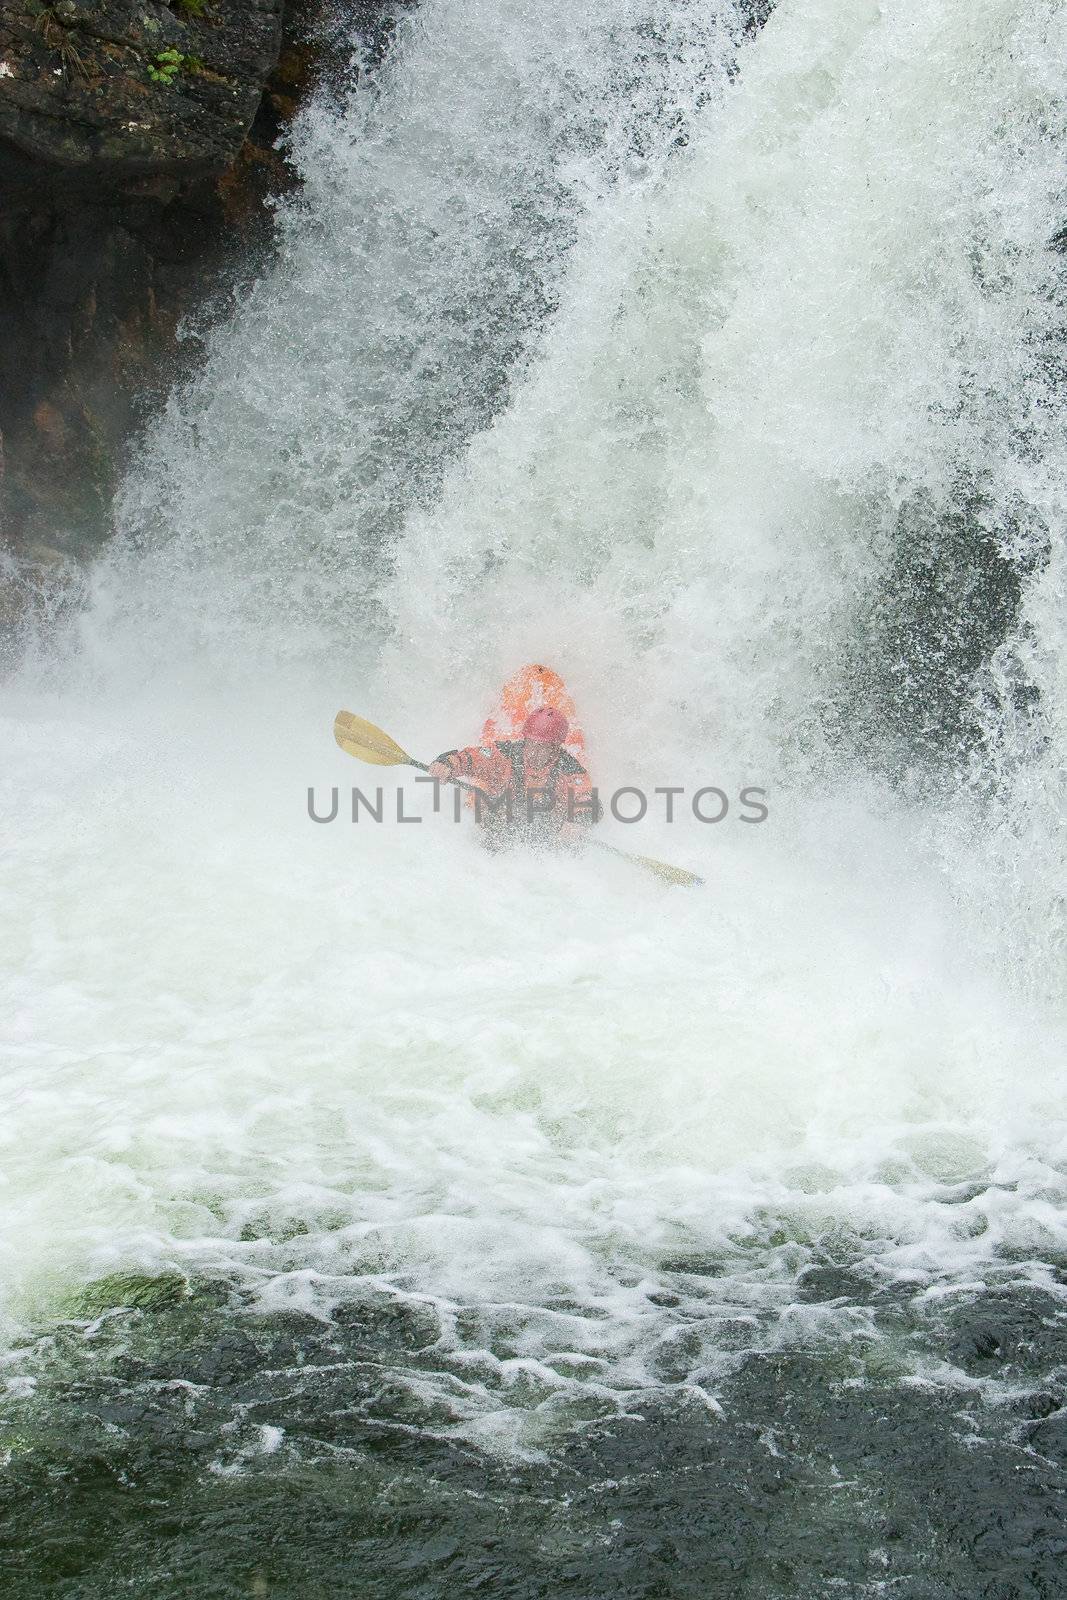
[[538, 793]]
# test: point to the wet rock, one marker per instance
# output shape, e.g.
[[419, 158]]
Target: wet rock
[[138, 162], [833, 1283], [982, 1341], [371, 1324], [228, 1360], [1049, 1438], [135, 86], [802, 1485], [1033, 1407], [662, 1297], [131, 1290], [1011, 1333], [695, 1266]]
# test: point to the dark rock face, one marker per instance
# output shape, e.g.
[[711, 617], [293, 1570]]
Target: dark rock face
[[124, 194], [135, 87], [138, 150], [92, 283]]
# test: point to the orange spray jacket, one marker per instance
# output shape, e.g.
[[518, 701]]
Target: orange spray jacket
[[551, 802]]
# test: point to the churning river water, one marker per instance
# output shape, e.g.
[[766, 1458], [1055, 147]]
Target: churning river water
[[380, 1217]]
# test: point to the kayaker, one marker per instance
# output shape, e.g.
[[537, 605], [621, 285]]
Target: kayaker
[[539, 793]]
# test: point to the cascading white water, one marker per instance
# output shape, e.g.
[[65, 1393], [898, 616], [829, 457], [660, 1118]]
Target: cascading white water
[[579, 348]]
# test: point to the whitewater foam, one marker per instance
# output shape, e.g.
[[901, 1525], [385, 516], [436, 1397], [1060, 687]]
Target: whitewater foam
[[664, 448]]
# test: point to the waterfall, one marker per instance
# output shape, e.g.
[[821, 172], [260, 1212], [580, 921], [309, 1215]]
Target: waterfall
[[721, 371]]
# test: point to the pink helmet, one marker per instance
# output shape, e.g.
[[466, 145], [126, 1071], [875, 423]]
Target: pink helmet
[[547, 725]]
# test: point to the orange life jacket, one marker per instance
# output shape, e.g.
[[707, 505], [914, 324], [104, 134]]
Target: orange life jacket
[[548, 803]]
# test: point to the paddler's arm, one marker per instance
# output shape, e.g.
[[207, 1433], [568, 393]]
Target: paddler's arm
[[442, 769], [485, 769]]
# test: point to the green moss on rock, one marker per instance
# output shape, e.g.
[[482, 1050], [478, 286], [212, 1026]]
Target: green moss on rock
[[131, 1290]]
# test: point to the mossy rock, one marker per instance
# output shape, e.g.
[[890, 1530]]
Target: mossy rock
[[131, 1291]]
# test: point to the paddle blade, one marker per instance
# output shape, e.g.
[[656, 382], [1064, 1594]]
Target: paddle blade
[[669, 874], [662, 869], [366, 742]]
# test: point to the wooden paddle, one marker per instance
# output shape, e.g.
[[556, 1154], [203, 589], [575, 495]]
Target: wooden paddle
[[662, 869], [360, 738]]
